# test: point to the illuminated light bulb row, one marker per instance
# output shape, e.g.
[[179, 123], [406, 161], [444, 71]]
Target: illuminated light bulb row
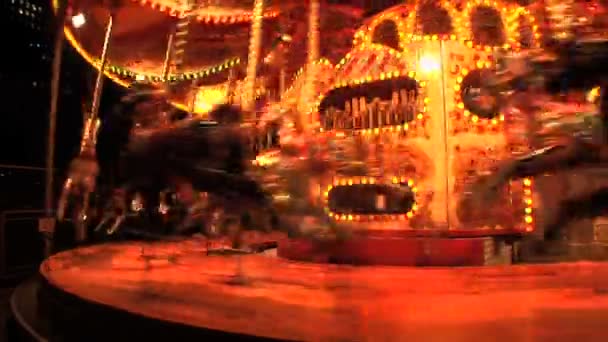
[[94, 62], [388, 129], [255, 46], [412, 38], [460, 20], [118, 74], [364, 34], [528, 209], [381, 77], [509, 15], [321, 62], [314, 50], [525, 13], [178, 11], [367, 47], [232, 19], [412, 21], [561, 18], [122, 72], [370, 180], [458, 97]]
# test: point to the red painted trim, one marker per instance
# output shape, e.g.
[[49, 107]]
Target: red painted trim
[[393, 251]]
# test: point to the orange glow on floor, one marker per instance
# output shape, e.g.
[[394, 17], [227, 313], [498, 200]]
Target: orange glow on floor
[[559, 302]]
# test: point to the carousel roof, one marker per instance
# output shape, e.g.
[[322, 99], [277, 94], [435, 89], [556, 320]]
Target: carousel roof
[[140, 37], [216, 42], [337, 25]]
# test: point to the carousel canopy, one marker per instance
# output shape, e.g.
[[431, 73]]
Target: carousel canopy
[[141, 30], [217, 41]]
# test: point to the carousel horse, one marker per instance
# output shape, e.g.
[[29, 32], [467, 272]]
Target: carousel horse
[[148, 148], [576, 66]]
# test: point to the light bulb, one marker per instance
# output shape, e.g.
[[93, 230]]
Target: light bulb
[[78, 20]]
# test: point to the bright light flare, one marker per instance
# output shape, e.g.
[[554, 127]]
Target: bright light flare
[[207, 99], [78, 20], [429, 64]]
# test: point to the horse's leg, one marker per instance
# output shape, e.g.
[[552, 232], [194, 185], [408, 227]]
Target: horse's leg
[[550, 159], [64, 198], [589, 205]]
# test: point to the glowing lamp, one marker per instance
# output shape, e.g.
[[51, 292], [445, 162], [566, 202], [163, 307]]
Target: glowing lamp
[[78, 20], [593, 95], [207, 99], [429, 64]]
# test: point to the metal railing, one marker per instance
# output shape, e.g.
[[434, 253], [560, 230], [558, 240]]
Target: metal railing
[[21, 208], [15, 219]]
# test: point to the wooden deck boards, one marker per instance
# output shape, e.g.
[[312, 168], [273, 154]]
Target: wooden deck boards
[[317, 302]]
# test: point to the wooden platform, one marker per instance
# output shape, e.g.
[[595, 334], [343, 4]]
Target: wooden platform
[[315, 302]]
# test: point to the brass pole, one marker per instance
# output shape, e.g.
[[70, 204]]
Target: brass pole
[[100, 76], [282, 77], [52, 126], [192, 107], [231, 85], [255, 42], [309, 86], [55, 82], [167, 62]]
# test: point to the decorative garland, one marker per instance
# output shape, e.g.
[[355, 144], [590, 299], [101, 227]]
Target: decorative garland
[[179, 12], [188, 76], [124, 77]]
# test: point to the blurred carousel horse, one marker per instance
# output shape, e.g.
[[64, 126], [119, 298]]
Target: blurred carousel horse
[[151, 149], [578, 65]]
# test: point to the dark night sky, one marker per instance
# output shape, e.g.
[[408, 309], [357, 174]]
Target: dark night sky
[[25, 75]]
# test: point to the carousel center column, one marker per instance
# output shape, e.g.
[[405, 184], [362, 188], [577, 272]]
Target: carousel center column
[[430, 69], [307, 99]]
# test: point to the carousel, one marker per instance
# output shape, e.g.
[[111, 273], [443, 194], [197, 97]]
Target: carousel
[[356, 168], [408, 132]]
